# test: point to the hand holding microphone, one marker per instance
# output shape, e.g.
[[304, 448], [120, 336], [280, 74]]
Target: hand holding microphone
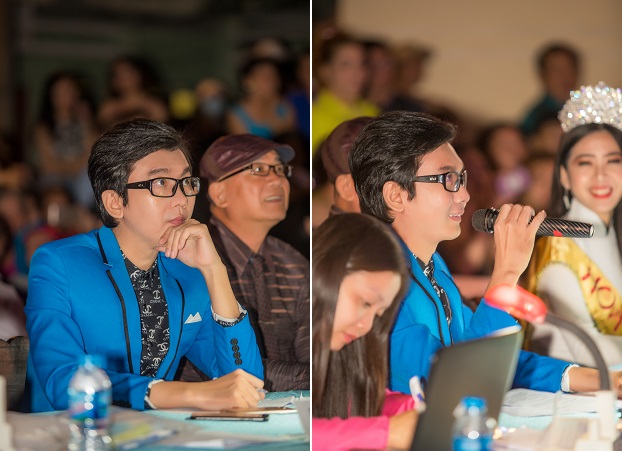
[[516, 229], [484, 221]]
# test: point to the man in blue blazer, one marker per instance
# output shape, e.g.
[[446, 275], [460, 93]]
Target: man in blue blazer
[[407, 174], [143, 291]]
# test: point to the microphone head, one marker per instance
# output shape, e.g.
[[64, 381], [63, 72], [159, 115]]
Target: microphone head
[[479, 221]]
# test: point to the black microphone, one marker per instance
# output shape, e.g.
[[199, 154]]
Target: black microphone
[[484, 221]]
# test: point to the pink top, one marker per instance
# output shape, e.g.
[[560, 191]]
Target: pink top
[[359, 432]]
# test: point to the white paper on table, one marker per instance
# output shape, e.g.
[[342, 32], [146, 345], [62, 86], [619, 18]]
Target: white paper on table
[[303, 406], [288, 401], [522, 402], [222, 440]]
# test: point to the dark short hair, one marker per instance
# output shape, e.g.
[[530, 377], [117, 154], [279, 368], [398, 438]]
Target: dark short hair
[[554, 48], [116, 152], [390, 148], [250, 66], [329, 48], [342, 245]]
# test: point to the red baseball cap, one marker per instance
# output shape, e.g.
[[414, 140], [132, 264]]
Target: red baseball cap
[[232, 152]]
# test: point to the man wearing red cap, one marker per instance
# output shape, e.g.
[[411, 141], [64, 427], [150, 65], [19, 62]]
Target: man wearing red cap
[[334, 153], [249, 194]]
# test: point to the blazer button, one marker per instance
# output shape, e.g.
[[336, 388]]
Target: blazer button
[[234, 341], [235, 348], [238, 362], [236, 355]]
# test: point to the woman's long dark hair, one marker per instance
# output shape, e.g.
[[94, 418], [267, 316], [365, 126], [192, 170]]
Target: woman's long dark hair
[[569, 140], [46, 115], [351, 382]]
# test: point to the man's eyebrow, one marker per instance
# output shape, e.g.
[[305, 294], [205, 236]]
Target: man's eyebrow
[[448, 168], [166, 171]]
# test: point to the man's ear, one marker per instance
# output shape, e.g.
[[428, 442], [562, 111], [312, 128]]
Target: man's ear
[[394, 196], [217, 192], [345, 187], [113, 203]]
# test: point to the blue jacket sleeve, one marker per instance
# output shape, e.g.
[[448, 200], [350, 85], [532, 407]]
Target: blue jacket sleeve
[[533, 371], [219, 350]]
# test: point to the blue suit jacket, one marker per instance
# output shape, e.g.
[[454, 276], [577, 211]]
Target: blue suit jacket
[[81, 301], [421, 330]]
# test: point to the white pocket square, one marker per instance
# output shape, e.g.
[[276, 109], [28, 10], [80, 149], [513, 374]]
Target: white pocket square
[[193, 318]]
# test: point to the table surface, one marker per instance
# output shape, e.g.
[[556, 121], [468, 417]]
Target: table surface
[[50, 432], [282, 426]]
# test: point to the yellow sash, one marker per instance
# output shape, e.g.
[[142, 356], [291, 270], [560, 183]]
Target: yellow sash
[[601, 298]]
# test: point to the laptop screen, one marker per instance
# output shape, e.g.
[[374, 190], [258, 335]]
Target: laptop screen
[[482, 367]]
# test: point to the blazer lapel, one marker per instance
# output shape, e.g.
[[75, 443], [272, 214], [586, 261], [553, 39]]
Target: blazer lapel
[[119, 278], [175, 301]]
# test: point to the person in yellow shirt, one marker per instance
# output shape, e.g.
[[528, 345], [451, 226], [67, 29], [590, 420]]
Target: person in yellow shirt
[[341, 69]]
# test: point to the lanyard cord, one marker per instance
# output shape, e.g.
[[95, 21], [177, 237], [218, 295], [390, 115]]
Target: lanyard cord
[[438, 313]]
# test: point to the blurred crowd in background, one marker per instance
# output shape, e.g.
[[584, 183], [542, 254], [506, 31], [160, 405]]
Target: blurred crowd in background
[[45, 193]]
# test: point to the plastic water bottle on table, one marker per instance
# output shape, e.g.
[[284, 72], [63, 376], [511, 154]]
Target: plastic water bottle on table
[[472, 429], [90, 396]]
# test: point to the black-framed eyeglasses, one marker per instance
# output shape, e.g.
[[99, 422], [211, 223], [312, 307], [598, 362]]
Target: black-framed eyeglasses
[[167, 186], [451, 181], [263, 170]]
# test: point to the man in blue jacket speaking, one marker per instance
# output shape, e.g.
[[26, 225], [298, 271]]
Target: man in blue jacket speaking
[[407, 174], [143, 291]]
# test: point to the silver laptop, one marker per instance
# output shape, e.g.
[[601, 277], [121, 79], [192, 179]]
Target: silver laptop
[[482, 367]]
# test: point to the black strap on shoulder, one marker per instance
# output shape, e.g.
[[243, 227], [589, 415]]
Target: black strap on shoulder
[[123, 309], [181, 326], [101, 248], [438, 313]]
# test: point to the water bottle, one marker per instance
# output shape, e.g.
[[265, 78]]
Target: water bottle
[[472, 429], [90, 394]]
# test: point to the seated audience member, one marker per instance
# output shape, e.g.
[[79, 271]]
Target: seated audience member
[[504, 146], [412, 62], [63, 136], [381, 85], [558, 69], [407, 173], [249, 194], [334, 153], [538, 195], [209, 122], [359, 277], [143, 291], [581, 279], [263, 111], [341, 69], [133, 92], [546, 136], [22, 211]]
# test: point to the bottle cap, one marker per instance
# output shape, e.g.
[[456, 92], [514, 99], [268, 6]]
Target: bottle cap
[[469, 403], [474, 401], [94, 360]]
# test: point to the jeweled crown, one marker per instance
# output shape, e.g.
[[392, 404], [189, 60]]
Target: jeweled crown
[[598, 104]]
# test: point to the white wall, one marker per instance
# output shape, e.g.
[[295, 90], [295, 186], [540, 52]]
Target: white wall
[[483, 60]]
